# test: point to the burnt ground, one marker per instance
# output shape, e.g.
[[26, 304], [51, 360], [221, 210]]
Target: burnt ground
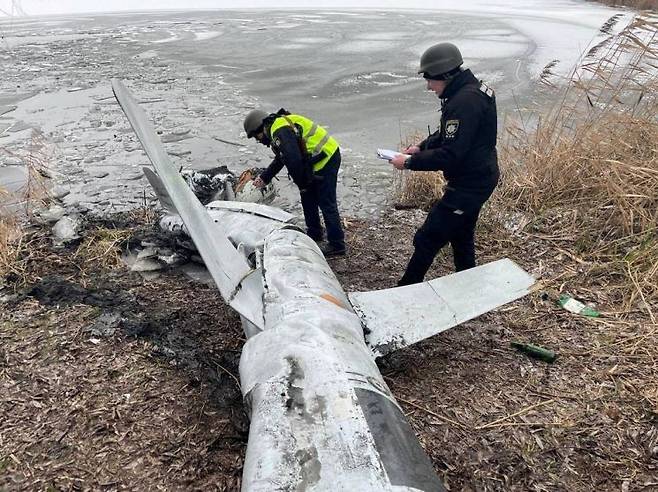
[[109, 381]]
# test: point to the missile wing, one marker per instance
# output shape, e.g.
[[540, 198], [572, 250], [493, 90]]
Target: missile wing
[[401, 316]]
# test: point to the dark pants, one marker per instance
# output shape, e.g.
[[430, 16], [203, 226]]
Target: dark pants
[[442, 226], [321, 195]]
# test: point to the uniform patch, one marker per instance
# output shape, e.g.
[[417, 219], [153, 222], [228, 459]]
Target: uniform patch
[[451, 128], [277, 142]]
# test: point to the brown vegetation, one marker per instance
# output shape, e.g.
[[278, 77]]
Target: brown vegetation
[[17, 208], [634, 4], [587, 174], [418, 189], [112, 382], [577, 207]]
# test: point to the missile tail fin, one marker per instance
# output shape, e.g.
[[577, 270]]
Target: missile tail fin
[[228, 267]]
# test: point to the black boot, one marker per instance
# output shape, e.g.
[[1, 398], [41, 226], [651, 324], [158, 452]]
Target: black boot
[[330, 249]]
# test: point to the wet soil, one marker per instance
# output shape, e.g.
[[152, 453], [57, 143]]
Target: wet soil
[[109, 381]]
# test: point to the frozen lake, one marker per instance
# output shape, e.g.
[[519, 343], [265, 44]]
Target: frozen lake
[[199, 72]]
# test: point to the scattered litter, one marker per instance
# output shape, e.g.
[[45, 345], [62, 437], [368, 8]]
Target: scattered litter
[[149, 252], [574, 306], [146, 265], [535, 351]]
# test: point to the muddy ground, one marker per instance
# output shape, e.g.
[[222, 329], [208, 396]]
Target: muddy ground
[[109, 381]]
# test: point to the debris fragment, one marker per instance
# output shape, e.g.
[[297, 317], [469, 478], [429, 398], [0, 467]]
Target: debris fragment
[[574, 306], [66, 230], [105, 325]]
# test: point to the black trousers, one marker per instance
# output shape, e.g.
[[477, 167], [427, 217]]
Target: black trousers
[[443, 225], [321, 196]]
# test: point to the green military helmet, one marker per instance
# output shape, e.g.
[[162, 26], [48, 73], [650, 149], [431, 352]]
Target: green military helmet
[[253, 122], [440, 61]]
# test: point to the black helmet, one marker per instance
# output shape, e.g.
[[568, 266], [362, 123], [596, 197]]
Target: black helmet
[[253, 122], [440, 61]]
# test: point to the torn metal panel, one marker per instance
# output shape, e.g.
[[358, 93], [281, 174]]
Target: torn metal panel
[[225, 264], [246, 231], [401, 316], [314, 393], [245, 224]]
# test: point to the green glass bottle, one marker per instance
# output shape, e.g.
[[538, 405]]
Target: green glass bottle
[[577, 307], [535, 351]]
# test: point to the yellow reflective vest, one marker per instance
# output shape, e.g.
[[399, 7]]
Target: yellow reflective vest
[[316, 139]]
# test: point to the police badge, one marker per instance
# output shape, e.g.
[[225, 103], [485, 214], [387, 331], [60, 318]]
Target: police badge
[[451, 128]]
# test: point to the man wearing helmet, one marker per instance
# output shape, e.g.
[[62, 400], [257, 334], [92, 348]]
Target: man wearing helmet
[[464, 149], [312, 159]]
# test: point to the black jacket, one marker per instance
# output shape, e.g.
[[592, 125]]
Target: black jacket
[[464, 146], [288, 152]]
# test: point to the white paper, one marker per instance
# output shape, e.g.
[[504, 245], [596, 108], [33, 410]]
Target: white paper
[[387, 154]]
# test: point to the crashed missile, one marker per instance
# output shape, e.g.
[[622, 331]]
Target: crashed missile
[[322, 417]]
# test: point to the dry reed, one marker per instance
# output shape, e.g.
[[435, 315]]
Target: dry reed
[[16, 208], [101, 249], [10, 234], [416, 189], [589, 168]]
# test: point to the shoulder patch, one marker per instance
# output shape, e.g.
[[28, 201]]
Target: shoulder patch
[[451, 128], [486, 90], [277, 142]]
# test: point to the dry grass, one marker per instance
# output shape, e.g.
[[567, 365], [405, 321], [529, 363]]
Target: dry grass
[[10, 235], [416, 189], [101, 250], [587, 174], [36, 158], [492, 419], [16, 208]]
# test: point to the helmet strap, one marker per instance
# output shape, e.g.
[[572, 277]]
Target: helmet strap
[[445, 76]]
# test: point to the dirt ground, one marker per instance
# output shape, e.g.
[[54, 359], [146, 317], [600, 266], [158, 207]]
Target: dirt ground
[[110, 382]]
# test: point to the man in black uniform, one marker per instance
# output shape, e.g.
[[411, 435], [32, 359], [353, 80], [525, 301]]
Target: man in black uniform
[[464, 148], [312, 159]]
